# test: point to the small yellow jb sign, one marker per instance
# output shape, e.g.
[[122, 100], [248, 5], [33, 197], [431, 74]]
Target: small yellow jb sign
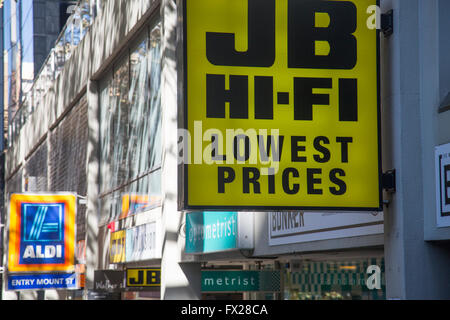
[[117, 247], [143, 277], [281, 105]]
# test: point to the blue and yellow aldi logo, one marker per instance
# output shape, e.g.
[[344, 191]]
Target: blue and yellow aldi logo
[[42, 232]]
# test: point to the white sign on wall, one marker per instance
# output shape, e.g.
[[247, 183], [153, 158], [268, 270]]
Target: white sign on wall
[[142, 243], [296, 227], [442, 158]]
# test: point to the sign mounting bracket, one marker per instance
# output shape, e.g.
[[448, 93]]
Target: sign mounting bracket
[[388, 181], [387, 23]]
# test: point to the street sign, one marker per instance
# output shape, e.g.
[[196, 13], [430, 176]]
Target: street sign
[[281, 105], [42, 233], [66, 281]]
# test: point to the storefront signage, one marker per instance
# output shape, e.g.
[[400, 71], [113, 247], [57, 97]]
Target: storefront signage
[[143, 277], [281, 105], [135, 203], [240, 281], [42, 233], [109, 280], [117, 247], [218, 231], [143, 243], [442, 159], [295, 226], [67, 281]]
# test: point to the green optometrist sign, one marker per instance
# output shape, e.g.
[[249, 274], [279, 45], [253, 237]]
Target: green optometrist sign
[[218, 231], [232, 281]]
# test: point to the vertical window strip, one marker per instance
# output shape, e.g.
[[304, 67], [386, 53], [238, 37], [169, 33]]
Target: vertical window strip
[[130, 109]]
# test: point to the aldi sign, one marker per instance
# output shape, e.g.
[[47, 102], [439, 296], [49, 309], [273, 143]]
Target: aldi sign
[[281, 105], [42, 233]]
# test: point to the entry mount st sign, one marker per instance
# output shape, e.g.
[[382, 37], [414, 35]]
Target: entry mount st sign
[[281, 105]]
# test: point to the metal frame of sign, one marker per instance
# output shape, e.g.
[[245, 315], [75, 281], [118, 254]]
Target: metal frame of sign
[[183, 203]]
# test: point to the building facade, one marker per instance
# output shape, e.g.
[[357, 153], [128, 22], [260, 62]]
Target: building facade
[[105, 127], [29, 32]]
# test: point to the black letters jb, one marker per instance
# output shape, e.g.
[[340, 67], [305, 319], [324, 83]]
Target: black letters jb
[[303, 33]]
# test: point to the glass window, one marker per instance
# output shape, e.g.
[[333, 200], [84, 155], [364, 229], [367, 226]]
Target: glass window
[[154, 58], [334, 280], [131, 130]]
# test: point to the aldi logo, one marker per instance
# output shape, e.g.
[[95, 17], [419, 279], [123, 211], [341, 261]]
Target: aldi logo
[[43, 222], [42, 232]]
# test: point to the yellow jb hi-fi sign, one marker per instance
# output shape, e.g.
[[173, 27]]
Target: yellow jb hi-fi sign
[[281, 105], [143, 277]]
